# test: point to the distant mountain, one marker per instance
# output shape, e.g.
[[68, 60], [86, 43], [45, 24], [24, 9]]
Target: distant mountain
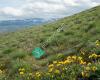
[[10, 25]]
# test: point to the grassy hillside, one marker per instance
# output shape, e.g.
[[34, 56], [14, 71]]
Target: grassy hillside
[[80, 32]]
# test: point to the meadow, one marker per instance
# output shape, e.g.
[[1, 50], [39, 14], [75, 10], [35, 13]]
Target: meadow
[[73, 53]]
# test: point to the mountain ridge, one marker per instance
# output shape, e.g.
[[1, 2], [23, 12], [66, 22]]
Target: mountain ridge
[[12, 25]]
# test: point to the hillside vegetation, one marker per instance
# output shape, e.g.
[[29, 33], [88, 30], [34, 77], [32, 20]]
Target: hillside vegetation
[[75, 47]]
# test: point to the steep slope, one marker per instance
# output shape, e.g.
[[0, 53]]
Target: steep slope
[[79, 31], [79, 28]]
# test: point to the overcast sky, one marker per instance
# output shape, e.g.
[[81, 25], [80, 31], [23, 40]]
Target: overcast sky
[[25, 9]]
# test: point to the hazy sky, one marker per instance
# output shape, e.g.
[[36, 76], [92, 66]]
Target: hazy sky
[[24, 9]]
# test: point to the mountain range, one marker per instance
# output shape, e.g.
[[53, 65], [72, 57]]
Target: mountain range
[[11, 25]]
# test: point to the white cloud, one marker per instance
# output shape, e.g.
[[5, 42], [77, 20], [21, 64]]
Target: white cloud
[[89, 3], [84, 3], [46, 8], [11, 11], [71, 2]]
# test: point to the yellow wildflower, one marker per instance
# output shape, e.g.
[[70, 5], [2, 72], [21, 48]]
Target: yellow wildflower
[[38, 74], [21, 69], [87, 68], [74, 57], [90, 56], [54, 62], [21, 73], [83, 74], [1, 71], [94, 68], [81, 62], [58, 64], [94, 55], [30, 74], [83, 53], [51, 65], [87, 74], [69, 57], [89, 64], [84, 63], [61, 62], [63, 69], [97, 42], [57, 71], [65, 62], [80, 58], [51, 69]]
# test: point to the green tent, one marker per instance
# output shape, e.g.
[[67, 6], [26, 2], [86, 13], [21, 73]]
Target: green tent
[[38, 52]]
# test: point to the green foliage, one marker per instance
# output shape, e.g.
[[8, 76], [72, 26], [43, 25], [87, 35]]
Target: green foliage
[[80, 31], [7, 51], [18, 54]]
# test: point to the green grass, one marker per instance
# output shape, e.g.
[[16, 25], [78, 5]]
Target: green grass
[[80, 31]]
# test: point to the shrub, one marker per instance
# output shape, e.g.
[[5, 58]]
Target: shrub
[[8, 51], [19, 54], [89, 27]]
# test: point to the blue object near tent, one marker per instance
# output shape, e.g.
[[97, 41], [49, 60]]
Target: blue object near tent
[[38, 52]]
